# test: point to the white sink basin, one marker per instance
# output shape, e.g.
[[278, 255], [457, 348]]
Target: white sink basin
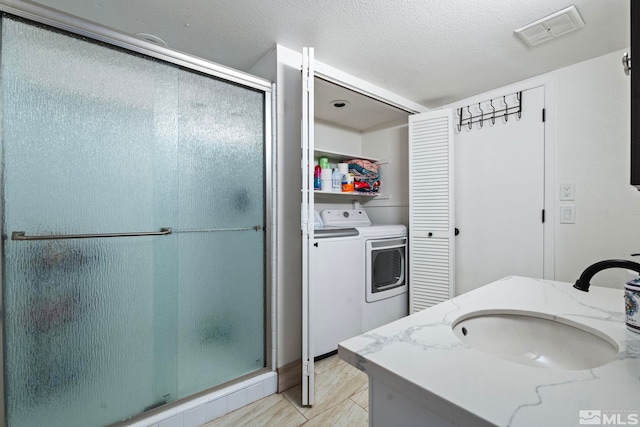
[[535, 339]]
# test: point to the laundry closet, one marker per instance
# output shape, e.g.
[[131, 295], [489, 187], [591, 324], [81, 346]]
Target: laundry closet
[[356, 246], [359, 269], [325, 113]]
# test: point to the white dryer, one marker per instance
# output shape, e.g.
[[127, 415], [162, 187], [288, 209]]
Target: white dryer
[[385, 273]]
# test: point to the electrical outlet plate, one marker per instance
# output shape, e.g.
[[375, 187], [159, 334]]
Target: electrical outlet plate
[[567, 192]]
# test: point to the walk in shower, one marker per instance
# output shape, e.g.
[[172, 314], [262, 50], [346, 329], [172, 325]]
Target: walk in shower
[[134, 203]]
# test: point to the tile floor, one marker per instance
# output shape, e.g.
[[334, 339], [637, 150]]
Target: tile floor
[[342, 399]]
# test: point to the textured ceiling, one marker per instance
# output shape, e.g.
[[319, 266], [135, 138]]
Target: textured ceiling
[[430, 51]]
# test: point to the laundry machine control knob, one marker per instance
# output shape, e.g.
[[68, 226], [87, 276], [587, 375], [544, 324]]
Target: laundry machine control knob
[[345, 214]]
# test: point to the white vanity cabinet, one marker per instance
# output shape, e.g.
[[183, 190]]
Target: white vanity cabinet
[[422, 374]]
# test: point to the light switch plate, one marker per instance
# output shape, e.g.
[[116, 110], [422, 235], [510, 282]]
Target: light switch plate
[[568, 214], [567, 191]]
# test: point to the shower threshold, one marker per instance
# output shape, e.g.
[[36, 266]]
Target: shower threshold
[[206, 406]]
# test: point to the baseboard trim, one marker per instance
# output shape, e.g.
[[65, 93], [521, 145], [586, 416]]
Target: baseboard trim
[[289, 375]]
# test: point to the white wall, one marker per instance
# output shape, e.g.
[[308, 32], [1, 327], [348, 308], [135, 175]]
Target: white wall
[[334, 138], [289, 182], [588, 110], [592, 151], [391, 146]]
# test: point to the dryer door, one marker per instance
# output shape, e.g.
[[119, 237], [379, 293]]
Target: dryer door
[[385, 268]]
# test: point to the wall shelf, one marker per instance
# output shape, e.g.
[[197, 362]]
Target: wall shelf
[[336, 157], [350, 194]]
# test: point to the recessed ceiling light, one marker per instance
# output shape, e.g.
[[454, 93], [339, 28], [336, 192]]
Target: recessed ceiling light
[[151, 38], [339, 103]]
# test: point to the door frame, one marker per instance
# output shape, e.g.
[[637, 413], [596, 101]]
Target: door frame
[[312, 68], [76, 25], [307, 226]]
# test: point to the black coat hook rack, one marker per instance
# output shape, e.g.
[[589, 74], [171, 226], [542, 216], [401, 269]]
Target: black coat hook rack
[[468, 118]]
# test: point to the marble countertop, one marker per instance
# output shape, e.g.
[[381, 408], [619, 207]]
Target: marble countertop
[[421, 354]]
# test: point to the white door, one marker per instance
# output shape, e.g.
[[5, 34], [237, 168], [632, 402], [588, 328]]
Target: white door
[[499, 175], [431, 209], [307, 227]]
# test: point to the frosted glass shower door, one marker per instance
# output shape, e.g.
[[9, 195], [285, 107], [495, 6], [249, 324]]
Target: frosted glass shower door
[[89, 136], [134, 238], [221, 216]]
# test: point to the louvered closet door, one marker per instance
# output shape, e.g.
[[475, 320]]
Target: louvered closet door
[[431, 228]]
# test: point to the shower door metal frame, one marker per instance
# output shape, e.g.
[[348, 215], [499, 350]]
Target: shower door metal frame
[[79, 26]]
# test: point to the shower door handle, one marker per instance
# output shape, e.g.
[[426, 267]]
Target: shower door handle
[[21, 235]]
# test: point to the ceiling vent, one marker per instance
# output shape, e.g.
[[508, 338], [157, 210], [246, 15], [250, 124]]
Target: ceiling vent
[[550, 27]]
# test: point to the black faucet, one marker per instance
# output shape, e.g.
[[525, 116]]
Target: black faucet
[[583, 282]]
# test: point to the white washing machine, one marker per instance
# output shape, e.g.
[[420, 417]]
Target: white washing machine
[[338, 289], [359, 276], [385, 272]]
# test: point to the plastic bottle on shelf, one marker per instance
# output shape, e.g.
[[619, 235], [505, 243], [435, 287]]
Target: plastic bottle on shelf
[[347, 183], [336, 181], [325, 180], [317, 172], [323, 162]]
